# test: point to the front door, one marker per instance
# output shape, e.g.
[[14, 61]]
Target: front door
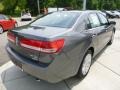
[[106, 28]]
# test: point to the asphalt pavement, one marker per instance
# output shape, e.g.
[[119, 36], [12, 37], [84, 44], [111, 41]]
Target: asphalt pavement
[[104, 73]]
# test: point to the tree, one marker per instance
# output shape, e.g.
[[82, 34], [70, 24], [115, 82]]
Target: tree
[[22, 4], [32, 6], [12, 7]]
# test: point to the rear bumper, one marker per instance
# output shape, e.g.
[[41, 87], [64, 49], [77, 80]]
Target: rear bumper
[[58, 70]]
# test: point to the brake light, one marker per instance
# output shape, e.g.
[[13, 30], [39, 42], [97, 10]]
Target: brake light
[[11, 37], [43, 46]]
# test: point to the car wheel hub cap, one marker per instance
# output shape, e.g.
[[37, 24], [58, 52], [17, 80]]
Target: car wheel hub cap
[[1, 29], [86, 64]]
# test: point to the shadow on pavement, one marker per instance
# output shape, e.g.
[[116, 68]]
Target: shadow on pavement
[[15, 79]]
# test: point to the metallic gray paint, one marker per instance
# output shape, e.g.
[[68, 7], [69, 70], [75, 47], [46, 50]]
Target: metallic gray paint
[[65, 63]]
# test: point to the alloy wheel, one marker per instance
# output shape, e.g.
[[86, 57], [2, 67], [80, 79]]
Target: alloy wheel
[[1, 30], [86, 64]]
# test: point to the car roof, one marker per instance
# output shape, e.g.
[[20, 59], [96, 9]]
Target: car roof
[[81, 11]]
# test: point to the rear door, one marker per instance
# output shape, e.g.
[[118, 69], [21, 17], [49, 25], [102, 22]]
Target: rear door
[[3, 22], [96, 31]]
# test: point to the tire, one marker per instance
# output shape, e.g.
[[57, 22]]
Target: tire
[[85, 65], [1, 30], [112, 38]]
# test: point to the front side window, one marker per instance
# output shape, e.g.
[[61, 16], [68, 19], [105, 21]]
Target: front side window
[[94, 20], [103, 19], [2, 17], [57, 19], [6, 17]]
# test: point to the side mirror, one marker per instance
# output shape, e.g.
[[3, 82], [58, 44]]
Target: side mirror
[[112, 22]]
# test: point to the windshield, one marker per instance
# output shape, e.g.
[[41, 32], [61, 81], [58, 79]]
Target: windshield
[[57, 19]]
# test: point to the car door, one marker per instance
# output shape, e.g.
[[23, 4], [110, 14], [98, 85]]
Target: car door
[[2, 22], [106, 27], [9, 23], [94, 28], [6, 24]]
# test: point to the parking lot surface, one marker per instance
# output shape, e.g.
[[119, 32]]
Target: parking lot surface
[[104, 73]]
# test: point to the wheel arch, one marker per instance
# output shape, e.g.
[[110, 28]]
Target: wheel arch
[[92, 50], [2, 26]]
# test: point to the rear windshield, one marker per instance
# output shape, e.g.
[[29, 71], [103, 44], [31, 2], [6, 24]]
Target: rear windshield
[[57, 19]]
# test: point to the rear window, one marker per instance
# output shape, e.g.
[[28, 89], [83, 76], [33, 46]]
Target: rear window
[[57, 19]]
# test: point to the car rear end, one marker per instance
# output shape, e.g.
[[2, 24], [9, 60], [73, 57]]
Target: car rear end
[[26, 17]]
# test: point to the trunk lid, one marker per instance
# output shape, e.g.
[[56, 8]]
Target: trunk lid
[[40, 32], [36, 33]]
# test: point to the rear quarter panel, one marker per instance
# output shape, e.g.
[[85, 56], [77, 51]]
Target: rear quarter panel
[[76, 45]]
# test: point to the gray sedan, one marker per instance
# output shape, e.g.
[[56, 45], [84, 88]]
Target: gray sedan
[[60, 45]]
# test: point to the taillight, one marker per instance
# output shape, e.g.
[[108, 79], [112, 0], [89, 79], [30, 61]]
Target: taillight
[[11, 36], [43, 46]]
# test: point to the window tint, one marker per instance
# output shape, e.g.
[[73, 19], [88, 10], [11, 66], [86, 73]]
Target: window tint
[[57, 19], [94, 20], [103, 19], [1, 17]]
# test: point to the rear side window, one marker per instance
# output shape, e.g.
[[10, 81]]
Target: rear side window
[[94, 20], [103, 19]]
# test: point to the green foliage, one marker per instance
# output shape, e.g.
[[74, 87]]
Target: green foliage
[[14, 7], [22, 4], [1, 7], [9, 5]]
